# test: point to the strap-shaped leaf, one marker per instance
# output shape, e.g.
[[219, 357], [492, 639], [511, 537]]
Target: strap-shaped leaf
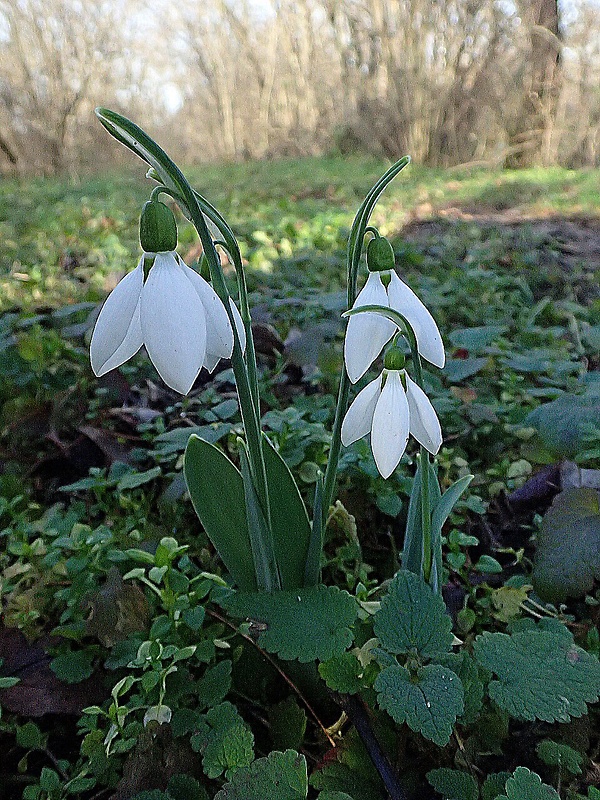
[[261, 536], [137, 140], [289, 520], [412, 553], [217, 491], [312, 571]]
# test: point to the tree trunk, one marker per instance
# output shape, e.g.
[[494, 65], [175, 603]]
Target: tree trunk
[[533, 125]]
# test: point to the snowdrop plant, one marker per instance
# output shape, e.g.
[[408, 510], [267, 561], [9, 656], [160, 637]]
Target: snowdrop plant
[[255, 515]]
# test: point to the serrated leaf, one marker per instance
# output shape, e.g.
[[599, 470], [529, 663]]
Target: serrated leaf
[[184, 787], [527, 785], [308, 624], [567, 555], [339, 777], [342, 673], [465, 666], [279, 776], [541, 675], [559, 755], [412, 617], [289, 520], [453, 784], [494, 785], [429, 700], [222, 512], [225, 741]]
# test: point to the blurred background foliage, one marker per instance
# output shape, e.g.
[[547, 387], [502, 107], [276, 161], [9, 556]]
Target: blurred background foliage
[[452, 82]]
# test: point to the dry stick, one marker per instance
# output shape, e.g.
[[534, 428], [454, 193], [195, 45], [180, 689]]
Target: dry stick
[[358, 716], [273, 663]]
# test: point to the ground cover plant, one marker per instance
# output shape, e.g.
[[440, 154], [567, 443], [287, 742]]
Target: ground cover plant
[[138, 658]]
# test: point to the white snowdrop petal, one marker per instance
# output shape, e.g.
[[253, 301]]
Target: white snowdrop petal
[[219, 336], [359, 417], [405, 301], [117, 334], [389, 433], [424, 422], [367, 333], [173, 324]]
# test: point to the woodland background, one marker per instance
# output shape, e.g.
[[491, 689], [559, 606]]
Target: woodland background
[[452, 82]]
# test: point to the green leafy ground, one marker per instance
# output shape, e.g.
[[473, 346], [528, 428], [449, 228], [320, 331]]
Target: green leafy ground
[[99, 545]]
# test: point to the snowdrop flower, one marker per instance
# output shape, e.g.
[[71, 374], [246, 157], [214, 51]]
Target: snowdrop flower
[[389, 408], [173, 311], [367, 333]]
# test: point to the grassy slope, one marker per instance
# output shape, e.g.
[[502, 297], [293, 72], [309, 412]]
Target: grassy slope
[[63, 242]]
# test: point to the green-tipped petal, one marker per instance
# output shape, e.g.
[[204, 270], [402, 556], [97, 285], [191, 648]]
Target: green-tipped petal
[[389, 433], [424, 423], [118, 334], [367, 333], [173, 324], [405, 301], [359, 417], [219, 336]]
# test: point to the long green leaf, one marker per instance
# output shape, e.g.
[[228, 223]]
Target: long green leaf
[[412, 553], [261, 538], [289, 520], [217, 491], [447, 501], [312, 571]]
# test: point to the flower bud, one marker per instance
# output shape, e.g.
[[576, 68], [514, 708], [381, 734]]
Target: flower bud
[[158, 229], [380, 255], [394, 359]]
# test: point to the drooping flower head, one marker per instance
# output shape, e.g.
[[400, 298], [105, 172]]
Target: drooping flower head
[[390, 408], [368, 333], [166, 306]]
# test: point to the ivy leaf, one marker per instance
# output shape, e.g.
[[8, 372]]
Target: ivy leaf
[[559, 755], [429, 700], [74, 666], [527, 785], [561, 424], [214, 685], [567, 556], [453, 784], [541, 674], [412, 617], [279, 776], [307, 624], [288, 724], [494, 785], [342, 673], [225, 741]]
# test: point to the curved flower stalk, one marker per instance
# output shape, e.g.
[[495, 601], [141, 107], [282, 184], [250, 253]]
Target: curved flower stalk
[[390, 408], [367, 333], [174, 312]]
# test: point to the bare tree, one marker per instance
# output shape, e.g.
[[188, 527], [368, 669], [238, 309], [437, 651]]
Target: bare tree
[[58, 57]]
